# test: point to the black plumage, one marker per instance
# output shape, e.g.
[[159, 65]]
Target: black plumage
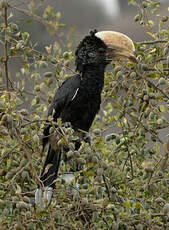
[[78, 99]]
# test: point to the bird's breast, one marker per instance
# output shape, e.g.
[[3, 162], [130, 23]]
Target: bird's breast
[[81, 110]]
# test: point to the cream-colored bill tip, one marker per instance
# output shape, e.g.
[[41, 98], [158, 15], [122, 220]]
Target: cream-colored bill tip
[[116, 39]]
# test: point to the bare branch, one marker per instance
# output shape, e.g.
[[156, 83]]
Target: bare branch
[[7, 153], [6, 49], [155, 87], [107, 187], [152, 42], [153, 69]]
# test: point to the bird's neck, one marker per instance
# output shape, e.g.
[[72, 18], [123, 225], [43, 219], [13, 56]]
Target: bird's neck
[[93, 77]]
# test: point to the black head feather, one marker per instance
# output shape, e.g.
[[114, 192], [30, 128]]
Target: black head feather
[[90, 51]]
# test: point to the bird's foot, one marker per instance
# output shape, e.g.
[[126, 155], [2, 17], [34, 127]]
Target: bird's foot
[[43, 197]]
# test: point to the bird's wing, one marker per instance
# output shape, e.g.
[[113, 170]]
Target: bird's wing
[[64, 95]]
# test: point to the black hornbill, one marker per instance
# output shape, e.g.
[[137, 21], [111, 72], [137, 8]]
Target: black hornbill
[[78, 100]]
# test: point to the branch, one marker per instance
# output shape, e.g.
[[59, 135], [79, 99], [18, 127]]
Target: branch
[[6, 50], [154, 69], [158, 89], [107, 187], [152, 42], [161, 164], [7, 153], [155, 87], [37, 18], [28, 156], [19, 172]]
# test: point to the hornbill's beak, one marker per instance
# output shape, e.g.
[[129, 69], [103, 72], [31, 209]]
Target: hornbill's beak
[[120, 47]]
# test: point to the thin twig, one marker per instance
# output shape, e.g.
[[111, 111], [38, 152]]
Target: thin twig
[[107, 187], [31, 122], [159, 165], [152, 42], [37, 18], [155, 87], [131, 163], [28, 156], [7, 153], [152, 132], [6, 49], [66, 226], [105, 221], [153, 69], [164, 162], [129, 155], [19, 172]]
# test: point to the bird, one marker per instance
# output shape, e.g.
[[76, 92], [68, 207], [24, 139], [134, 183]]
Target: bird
[[78, 99]]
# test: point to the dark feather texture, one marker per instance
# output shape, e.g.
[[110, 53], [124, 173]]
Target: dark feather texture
[[91, 50], [78, 99]]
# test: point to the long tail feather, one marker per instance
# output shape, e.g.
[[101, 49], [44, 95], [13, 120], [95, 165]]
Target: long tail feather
[[53, 158]]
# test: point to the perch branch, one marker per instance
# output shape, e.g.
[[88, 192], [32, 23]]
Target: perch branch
[[152, 42], [6, 49]]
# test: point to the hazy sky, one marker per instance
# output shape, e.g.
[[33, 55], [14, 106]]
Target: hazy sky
[[110, 6]]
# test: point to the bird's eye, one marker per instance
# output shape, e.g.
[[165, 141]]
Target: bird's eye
[[101, 50], [91, 54]]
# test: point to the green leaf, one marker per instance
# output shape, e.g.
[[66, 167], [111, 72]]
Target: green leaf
[[10, 16], [33, 102], [151, 34], [127, 204], [162, 108], [58, 15], [25, 36], [48, 49], [151, 22], [132, 2]]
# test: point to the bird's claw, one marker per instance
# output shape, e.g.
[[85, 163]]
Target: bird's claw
[[43, 197]]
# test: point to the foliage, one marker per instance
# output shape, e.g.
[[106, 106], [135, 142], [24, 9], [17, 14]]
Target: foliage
[[125, 175]]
